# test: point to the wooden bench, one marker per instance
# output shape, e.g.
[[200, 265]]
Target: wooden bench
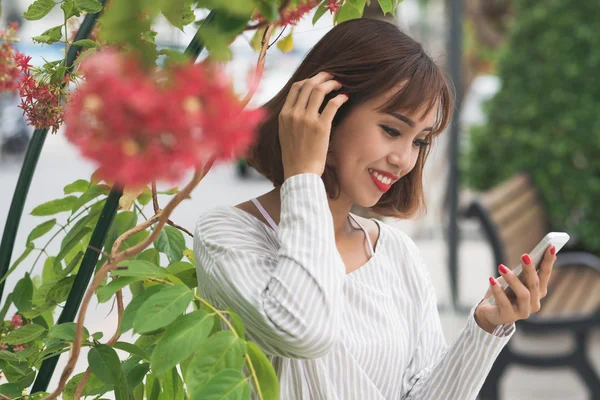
[[514, 220]]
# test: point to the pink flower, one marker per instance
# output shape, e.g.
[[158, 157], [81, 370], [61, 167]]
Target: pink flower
[[333, 5], [3, 346], [40, 101], [293, 16], [17, 348], [139, 126], [16, 321], [9, 73]]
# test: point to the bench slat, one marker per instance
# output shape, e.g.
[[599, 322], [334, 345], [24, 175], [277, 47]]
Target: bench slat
[[555, 299], [504, 190]]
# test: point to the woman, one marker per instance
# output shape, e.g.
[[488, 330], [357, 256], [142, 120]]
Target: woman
[[342, 304]]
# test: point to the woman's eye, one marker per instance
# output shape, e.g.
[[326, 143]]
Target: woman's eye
[[390, 131], [421, 143]]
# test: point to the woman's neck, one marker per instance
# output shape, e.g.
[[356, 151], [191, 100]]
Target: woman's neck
[[339, 211]]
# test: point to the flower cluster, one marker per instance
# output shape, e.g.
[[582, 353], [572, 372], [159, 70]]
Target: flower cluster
[[9, 72], [41, 101], [333, 5], [292, 15], [141, 126], [8, 326]]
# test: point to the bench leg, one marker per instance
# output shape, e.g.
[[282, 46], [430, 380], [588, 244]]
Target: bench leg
[[491, 387], [583, 366]]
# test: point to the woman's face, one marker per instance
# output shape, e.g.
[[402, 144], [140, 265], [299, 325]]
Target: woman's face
[[372, 150]]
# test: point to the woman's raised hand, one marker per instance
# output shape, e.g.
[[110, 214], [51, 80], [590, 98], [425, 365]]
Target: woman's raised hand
[[303, 132]]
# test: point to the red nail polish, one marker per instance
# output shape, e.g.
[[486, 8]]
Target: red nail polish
[[492, 281], [502, 268], [526, 260], [346, 94], [553, 250]]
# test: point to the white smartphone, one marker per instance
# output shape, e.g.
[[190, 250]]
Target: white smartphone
[[558, 239]]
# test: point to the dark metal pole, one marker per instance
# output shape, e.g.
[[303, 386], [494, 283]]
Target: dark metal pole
[[455, 25]]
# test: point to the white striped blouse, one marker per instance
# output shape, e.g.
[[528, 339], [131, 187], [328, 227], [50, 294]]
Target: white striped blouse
[[372, 334]]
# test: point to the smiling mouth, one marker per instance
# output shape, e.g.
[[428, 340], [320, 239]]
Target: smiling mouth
[[382, 183]]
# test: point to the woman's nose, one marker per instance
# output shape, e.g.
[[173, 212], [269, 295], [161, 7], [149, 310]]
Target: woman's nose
[[400, 159]]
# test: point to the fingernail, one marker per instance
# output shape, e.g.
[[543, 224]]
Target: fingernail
[[346, 94], [526, 260], [492, 281], [503, 269], [553, 250]]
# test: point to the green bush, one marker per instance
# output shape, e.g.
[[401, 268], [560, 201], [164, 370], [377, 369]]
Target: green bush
[[545, 120]]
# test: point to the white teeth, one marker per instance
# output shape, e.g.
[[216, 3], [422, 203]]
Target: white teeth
[[381, 178]]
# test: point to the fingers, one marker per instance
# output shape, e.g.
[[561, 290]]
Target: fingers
[[502, 300], [546, 270], [317, 96], [531, 280], [523, 298], [308, 88], [332, 107]]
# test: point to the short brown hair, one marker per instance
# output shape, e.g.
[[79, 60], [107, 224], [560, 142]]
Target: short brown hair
[[368, 57]]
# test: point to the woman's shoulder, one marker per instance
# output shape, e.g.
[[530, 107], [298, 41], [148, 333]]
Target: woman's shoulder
[[228, 225]]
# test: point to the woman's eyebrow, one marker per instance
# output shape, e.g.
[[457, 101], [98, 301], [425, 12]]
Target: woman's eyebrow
[[408, 121]]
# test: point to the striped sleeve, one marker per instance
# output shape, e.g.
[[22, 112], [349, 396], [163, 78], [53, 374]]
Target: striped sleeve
[[438, 372], [290, 302]]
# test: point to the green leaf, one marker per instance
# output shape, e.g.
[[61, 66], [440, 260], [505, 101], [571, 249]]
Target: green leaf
[[90, 194], [150, 255], [19, 260], [132, 349], [146, 196], [25, 334], [173, 385], [39, 9], [7, 304], [162, 308], [89, 6], [70, 10], [136, 375], [89, 220], [269, 10], [123, 222], [86, 44], [267, 378], [321, 10], [184, 271], [133, 307], [172, 191], [180, 340], [351, 9], [179, 13], [41, 230], [171, 242], [49, 36], [54, 206], [8, 356], [227, 384], [10, 390], [71, 243], [237, 323], [49, 272], [138, 268], [23, 294], [105, 363], [106, 292], [80, 185], [60, 290], [66, 331], [92, 386], [220, 351], [27, 380], [72, 265], [153, 390], [387, 6]]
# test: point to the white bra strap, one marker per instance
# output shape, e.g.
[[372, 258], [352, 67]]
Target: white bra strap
[[265, 214], [366, 234]]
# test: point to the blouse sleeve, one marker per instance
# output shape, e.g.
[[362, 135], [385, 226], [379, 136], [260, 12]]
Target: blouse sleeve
[[437, 371], [290, 302]]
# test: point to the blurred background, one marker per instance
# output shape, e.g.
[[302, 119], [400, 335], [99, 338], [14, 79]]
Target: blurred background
[[529, 102]]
